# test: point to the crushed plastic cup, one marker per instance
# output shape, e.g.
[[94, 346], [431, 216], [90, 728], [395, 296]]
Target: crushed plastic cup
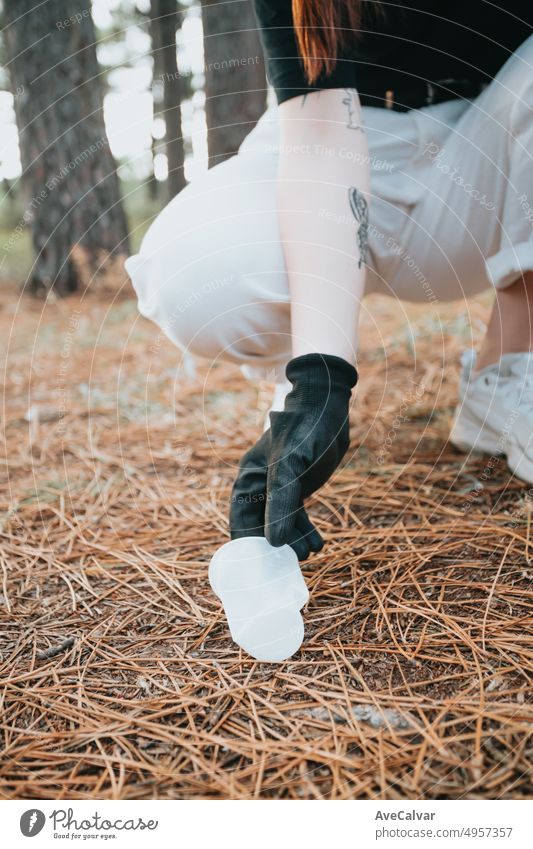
[[262, 591]]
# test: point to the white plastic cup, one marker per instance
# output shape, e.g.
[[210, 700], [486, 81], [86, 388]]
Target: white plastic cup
[[262, 590]]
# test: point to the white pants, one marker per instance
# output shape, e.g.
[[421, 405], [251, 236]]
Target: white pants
[[451, 213]]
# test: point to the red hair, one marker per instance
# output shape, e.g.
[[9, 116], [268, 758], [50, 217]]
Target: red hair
[[321, 27]]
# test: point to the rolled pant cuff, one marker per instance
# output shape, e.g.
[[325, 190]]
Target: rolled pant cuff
[[506, 266]]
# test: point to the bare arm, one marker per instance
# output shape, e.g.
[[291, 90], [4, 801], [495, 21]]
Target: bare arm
[[323, 186]]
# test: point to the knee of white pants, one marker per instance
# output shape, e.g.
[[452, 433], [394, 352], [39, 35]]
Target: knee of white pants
[[214, 309], [211, 273]]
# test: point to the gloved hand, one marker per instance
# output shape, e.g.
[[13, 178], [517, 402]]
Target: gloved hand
[[295, 456]]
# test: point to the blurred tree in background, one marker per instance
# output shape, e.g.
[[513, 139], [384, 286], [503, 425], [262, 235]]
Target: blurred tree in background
[[164, 23], [161, 80], [235, 84], [69, 177]]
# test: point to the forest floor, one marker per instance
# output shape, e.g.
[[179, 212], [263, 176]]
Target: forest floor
[[118, 677]]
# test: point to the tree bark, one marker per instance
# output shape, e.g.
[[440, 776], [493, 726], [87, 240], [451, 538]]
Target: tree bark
[[69, 175], [165, 20], [157, 90], [235, 83]]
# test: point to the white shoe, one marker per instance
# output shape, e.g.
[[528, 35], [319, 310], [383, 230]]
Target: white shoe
[[495, 411]]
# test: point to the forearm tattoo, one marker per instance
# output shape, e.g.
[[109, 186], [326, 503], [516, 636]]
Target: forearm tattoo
[[351, 101], [359, 209]]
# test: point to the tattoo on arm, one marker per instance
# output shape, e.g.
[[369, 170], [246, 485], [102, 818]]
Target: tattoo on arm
[[359, 209], [351, 101]]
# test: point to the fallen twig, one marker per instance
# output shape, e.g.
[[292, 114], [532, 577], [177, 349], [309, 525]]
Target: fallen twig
[[55, 650]]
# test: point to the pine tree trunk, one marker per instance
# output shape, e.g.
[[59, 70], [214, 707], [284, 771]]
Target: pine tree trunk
[[165, 20], [157, 91], [235, 84], [69, 175]]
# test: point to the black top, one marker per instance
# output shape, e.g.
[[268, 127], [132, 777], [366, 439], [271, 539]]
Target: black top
[[407, 45]]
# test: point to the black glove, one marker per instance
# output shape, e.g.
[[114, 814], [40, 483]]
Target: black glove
[[295, 456]]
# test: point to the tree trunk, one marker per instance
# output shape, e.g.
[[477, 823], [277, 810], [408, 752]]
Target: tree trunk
[[165, 20], [235, 84], [69, 175], [157, 91]]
